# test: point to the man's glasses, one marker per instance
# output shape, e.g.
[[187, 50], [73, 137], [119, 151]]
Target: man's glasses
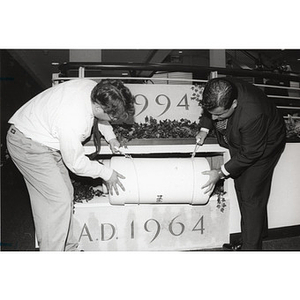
[[122, 116]]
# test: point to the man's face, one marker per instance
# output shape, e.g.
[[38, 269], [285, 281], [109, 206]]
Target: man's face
[[220, 113], [101, 114]]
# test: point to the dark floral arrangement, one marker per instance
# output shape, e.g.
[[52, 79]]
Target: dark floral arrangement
[[84, 191], [85, 188], [153, 129], [293, 127]]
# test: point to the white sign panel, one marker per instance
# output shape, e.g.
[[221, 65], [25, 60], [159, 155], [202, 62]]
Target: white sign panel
[[164, 101], [106, 227]]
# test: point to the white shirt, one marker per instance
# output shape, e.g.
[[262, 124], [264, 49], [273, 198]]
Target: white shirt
[[61, 118]]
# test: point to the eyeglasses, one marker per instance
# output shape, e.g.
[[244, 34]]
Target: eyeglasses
[[123, 116], [112, 118], [220, 114]]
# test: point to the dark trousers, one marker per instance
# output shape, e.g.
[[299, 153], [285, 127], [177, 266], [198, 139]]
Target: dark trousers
[[253, 190]]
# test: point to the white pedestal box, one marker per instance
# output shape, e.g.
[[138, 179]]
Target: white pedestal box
[[163, 225], [150, 227]]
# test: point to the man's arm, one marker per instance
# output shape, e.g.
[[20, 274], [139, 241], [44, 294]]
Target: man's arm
[[73, 155], [107, 131]]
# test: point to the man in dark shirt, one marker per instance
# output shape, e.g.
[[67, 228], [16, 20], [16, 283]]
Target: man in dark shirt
[[249, 125]]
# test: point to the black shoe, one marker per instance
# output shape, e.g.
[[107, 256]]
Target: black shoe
[[234, 246]]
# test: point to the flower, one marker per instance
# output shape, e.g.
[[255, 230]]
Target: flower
[[292, 126], [221, 201], [197, 93]]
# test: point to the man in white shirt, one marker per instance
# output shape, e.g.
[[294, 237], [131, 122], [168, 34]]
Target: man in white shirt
[[45, 140]]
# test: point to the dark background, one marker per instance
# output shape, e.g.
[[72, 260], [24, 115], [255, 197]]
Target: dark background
[[17, 230]]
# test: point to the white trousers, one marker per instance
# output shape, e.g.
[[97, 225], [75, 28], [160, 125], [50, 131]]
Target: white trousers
[[50, 190]]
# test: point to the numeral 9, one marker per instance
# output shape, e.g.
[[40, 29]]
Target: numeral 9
[[168, 104], [157, 228], [146, 103]]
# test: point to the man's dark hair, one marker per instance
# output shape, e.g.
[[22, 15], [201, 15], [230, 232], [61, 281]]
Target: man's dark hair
[[114, 97], [218, 92]]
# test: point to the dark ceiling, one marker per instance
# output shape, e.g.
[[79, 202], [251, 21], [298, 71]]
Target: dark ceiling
[[39, 62]]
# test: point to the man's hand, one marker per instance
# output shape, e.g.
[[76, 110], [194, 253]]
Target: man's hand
[[200, 138], [114, 145], [113, 182], [214, 177]]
